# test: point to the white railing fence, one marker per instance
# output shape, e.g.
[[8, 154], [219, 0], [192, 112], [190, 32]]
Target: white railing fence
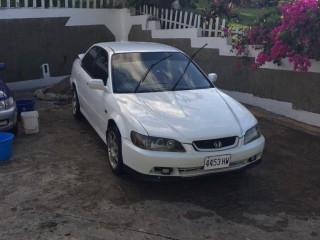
[[176, 19], [58, 3]]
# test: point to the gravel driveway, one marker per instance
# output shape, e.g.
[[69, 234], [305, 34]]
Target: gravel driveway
[[58, 185]]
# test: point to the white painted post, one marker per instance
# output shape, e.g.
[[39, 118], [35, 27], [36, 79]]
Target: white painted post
[[73, 3], [162, 17], [223, 25], [94, 4], [166, 20], [198, 21], [43, 4], [180, 20], [157, 13], [59, 4], [210, 27], [185, 20], [170, 19], [50, 4], [25, 3], [216, 29], [175, 20], [34, 3], [190, 21], [8, 4], [88, 4]]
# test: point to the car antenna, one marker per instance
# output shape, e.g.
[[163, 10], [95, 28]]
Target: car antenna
[[149, 69], [185, 69]]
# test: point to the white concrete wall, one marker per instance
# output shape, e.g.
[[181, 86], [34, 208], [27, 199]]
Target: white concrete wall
[[111, 18], [119, 22], [220, 43]]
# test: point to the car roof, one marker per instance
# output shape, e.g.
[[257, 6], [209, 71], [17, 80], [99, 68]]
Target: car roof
[[121, 47]]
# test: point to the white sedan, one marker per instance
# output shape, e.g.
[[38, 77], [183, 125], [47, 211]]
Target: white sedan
[[159, 114]]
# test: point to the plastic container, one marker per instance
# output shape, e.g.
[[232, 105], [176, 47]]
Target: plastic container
[[30, 122], [6, 140], [25, 105]]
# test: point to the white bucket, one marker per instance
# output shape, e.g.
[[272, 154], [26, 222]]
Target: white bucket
[[30, 122]]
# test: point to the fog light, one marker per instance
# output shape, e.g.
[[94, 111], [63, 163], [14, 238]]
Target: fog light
[[166, 171], [252, 159]]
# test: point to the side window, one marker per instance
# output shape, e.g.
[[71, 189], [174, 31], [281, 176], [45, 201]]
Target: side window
[[100, 68], [88, 60]]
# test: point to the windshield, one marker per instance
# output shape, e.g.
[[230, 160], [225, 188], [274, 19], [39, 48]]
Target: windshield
[[128, 69]]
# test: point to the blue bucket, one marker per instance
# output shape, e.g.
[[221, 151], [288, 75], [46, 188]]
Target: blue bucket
[[6, 140], [24, 106]]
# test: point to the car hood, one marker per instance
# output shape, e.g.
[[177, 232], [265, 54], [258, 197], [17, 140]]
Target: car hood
[[4, 91], [188, 115]]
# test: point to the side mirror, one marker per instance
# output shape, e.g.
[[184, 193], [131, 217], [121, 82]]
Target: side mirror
[[2, 66], [212, 77], [97, 84]]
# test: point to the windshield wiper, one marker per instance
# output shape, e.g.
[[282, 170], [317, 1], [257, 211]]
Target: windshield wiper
[[149, 69], [185, 69]]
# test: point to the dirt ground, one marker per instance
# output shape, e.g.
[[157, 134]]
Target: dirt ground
[[58, 185]]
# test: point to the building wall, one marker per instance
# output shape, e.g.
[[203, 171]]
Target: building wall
[[26, 44]]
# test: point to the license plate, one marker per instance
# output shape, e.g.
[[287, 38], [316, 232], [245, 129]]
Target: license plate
[[216, 162]]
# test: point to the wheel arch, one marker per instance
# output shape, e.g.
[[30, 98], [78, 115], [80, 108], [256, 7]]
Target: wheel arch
[[118, 123], [125, 124], [74, 85]]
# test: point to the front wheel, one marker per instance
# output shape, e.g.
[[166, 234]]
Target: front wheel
[[114, 149]]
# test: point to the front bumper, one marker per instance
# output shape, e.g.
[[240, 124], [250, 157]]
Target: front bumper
[[189, 163], [8, 119]]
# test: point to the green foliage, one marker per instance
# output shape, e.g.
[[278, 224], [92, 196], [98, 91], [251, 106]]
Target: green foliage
[[215, 8], [248, 15], [290, 31]]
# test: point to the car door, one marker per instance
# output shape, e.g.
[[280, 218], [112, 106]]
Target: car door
[[84, 75], [97, 99]]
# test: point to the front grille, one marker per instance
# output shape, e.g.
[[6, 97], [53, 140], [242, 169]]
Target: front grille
[[215, 144]]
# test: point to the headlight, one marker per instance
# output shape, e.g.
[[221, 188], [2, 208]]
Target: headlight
[[7, 103], [156, 143], [252, 134]]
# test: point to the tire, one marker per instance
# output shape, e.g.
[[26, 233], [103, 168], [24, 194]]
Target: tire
[[114, 150], [75, 104]]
